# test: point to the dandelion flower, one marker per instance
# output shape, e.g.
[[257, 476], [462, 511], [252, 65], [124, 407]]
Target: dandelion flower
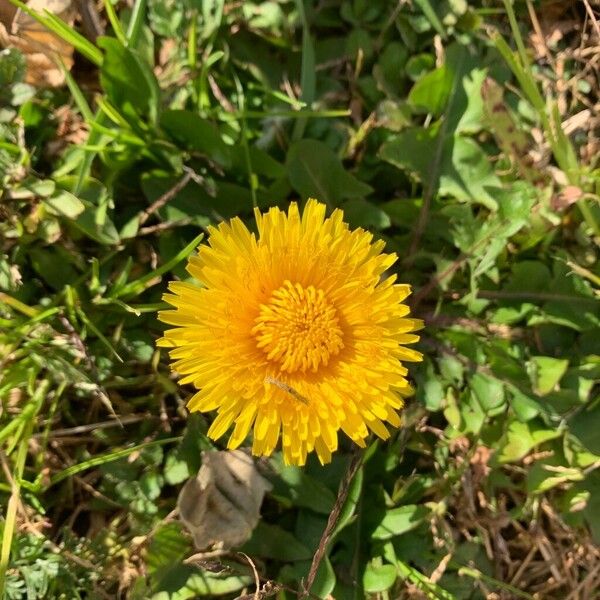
[[294, 333]]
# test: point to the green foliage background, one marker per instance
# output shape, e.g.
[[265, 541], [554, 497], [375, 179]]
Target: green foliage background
[[429, 123]]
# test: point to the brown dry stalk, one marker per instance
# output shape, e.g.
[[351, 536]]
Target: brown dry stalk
[[334, 515], [168, 195]]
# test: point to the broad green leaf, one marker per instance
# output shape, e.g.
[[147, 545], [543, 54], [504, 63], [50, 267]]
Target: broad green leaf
[[547, 474], [95, 223], [548, 372], [378, 578], [472, 413], [31, 187], [197, 134], [431, 92], [465, 172], [272, 541], [529, 276], [64, 204], [316, 172], [525, 408], [187, 583], [488, 390], [430, 390], [400, 520], [362, 213], [298, 487], [520, 438], [176, 469], [168, 547], [419, 64], [53, 266], [585, 426]]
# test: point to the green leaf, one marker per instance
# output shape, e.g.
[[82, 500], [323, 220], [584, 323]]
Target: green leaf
[[429, 12], [362, 213], [64, 204], [419, 64], [585, 426], [488, 390], [431, 390], [95, 223], [301, 489], [308, 76], [176, 469], [212, 14], [378, 578], [431, 92], [128, 82], [350, 506], [197, 584], [316, 172], [529, 276], [197, 134], [325, 579], [32, 187], [168, 547], [51, 266], [400, 520], [465, 172], [520, 438], [272, 541], [548, 372], [546, 475], [525, 408]]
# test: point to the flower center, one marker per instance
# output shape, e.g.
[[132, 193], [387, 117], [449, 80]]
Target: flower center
[[298, 328]]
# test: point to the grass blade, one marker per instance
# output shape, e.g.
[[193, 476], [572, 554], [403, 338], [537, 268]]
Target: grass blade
[[103, 459]]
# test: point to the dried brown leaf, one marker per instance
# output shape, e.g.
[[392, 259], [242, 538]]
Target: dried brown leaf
[[40, 46], [221, 506]]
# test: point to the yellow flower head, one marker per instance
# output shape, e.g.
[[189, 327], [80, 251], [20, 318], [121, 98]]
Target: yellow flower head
[[294, 333]]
